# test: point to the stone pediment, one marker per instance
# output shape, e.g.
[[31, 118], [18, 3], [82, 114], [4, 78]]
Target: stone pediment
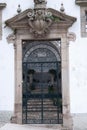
[[20, 21], [40, 21]]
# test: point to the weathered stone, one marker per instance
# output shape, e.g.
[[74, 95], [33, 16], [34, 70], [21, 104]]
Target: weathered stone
[[2, 5], [83, 15], [58, 31]]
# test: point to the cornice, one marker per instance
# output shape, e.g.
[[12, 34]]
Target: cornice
[[81, 2], [2, 5], [21, 20]]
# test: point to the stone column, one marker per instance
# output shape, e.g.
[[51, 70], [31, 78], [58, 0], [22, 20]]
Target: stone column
[[17, 117], [18, 81], [17, 42], [67, 119]]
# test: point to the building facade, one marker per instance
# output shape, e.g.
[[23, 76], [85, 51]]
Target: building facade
[[48, 47]]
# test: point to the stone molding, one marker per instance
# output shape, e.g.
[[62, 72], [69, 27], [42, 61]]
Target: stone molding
[[81, 2], [11, 38], [2, 5], [71, 36], [83, 11], [59, 20], [67, 123]]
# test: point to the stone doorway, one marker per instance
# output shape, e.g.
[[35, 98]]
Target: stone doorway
[[42, 24]]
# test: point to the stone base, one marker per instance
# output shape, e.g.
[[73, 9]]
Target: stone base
[[17, 117], [13, 119], [32, 127], [67, 126], [67, 122]]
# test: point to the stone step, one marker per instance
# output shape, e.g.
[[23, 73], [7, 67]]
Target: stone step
[[39, 100], [39, 103], [39, 91], [10, 126], [39, 106], [39, 110], [38, 115]]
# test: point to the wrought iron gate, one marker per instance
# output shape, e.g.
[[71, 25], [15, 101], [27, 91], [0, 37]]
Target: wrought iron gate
[[42, 98]]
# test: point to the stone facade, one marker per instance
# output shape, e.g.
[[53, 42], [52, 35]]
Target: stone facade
[[58, 30]]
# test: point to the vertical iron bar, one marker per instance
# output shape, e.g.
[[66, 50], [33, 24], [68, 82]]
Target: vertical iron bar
[[41, 93], [57, 67], [60, 66], [22, 92], [26, 90]]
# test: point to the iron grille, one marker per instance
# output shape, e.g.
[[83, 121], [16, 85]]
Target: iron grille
[[42, 98]]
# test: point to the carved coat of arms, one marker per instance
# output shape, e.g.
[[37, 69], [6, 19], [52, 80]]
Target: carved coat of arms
[[39, 21]]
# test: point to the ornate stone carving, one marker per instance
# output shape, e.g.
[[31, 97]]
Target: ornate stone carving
[[39, 4], [11, 38], [39, 21], [39, 1], [71, 36]]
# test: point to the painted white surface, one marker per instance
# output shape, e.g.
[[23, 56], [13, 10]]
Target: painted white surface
[[77, 57]]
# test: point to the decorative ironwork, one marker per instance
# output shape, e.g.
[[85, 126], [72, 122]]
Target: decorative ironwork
[[39, 54], [42, 98], [31, 51]]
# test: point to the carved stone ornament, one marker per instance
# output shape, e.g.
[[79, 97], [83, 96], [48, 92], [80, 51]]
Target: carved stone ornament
[[40, 4], [39, 1], [39, 21], [71, 36], [11, 38]]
